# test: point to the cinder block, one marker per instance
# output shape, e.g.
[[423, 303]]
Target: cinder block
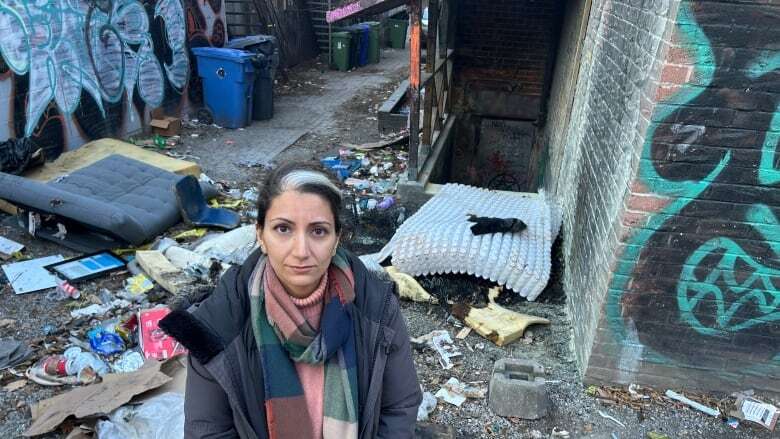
[[517, 389]]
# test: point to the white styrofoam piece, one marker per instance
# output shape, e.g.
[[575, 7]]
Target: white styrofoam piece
[[437, 239]]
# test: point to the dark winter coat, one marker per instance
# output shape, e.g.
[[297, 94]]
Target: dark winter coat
[[224, 394]]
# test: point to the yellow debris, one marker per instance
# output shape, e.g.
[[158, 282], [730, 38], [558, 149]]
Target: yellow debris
[[408, 288], [192, 233], [496, 323]]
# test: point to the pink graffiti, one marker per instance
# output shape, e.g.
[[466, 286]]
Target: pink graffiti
[[346, 10]]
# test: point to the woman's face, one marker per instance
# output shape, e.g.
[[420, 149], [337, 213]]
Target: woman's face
[[300, 238]]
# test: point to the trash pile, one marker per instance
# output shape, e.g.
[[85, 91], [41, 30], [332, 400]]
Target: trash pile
[[109, 347], [370, 172]]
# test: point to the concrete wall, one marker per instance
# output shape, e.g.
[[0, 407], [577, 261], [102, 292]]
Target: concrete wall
[[504, 49], [695, 298], [74, 71]]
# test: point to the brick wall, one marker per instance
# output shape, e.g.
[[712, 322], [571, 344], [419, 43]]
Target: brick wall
[[503, 51], [696, 288], [67, 89], [669, 182], [593, 155]]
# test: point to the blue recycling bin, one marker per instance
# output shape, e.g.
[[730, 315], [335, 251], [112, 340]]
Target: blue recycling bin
[[228, 79]]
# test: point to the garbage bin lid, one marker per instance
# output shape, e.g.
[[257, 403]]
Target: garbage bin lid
[[223, 53], [250, 40]]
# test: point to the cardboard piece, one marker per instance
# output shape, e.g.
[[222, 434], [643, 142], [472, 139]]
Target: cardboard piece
[[496, 323], [97, 150], [9, 247], [159, 268], [30, 276], [98, 399], [166, 126], [754, 410]]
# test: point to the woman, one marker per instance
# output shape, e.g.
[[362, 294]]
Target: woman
[[301, 341]]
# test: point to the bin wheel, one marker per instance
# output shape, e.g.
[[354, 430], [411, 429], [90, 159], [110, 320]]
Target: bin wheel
[[205, 116]]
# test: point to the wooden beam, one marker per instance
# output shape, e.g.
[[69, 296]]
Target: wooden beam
[[414, 89]]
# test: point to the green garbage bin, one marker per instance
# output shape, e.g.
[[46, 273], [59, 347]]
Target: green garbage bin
[[340, 42], [374, 45], [397, 32]]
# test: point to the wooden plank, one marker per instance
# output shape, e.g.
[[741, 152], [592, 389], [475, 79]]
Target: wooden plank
[[414, 90], [159, 268]]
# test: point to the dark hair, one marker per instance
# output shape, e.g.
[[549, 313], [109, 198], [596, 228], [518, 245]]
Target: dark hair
[[303, 178]]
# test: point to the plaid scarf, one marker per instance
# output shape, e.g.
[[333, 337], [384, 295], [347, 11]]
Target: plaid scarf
[[283, 335]]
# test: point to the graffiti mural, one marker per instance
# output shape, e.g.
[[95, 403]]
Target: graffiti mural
[[700, 280], [89, 68]]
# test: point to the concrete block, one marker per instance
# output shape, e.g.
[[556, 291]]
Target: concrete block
[[517, 389]]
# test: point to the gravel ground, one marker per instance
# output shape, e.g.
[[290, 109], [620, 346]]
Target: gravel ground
[[571, 410]]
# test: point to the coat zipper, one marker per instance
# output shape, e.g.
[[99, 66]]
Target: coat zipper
[[371, 402]]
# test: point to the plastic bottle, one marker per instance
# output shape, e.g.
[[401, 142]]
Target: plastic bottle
[[386, 203], [63, 291]]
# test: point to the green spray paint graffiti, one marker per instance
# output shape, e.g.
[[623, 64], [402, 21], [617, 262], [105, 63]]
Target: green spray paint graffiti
[[706, 267]]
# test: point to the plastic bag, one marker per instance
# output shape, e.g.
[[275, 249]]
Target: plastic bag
[[161, 417]]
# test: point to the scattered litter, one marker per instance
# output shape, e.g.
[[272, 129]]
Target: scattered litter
[[152, 340], [232, 247], [427, 406], [9, 247], [496, 323], [456, 392], [99, 310], [195, 211], [751, 409], [15, 385], [30, 276], [61, 233], [74, 366], [114, 391], [161, 417], [463, 333], [689, 402], [191, 263], [163, 125], [611, 418], [441, 342], [559, 434], [80, 359], [87, 267], [129, 361], [104, 342], [408, 287], [4, 323], [63, 291], [159, 268], [404, 137], [449, 395], [632, 390], [732, 422], [136, 286], [12, 352]]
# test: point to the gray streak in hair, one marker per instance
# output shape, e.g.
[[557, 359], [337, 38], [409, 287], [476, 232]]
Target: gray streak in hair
[[303, 177]]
